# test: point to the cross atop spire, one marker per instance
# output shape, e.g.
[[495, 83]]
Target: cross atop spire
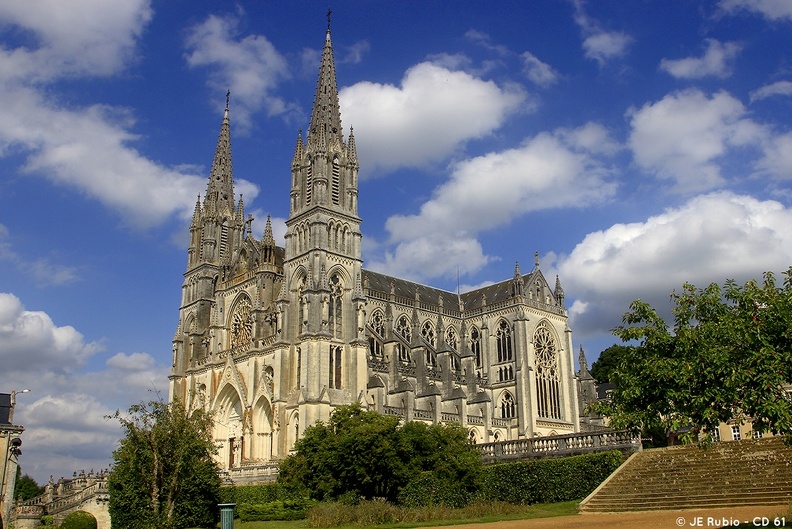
[[329, 12]]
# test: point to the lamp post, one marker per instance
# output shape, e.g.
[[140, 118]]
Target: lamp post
[[12, 449]]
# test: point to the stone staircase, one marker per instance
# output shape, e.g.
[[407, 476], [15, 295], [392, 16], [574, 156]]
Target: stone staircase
[[734, 473]]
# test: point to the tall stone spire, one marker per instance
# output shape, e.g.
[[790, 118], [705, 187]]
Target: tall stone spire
[[326, 115], [220, 189]]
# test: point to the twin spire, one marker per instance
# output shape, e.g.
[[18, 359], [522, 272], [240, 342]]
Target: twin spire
[[326, 115]]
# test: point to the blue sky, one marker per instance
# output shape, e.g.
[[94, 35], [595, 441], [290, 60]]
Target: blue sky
[[634, 145]]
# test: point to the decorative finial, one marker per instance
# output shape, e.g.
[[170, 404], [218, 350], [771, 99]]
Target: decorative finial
[[228, 98], [536, 259], [329, 12]]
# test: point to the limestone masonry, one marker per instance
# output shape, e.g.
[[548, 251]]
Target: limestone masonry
[[274, 338]]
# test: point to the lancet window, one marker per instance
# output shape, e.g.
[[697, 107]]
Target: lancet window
[[475, 345], [335, 367], [335, 321], [377, 324], [504, 342]]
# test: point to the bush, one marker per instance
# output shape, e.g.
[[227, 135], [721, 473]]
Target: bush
[[428, 489], [264, 493], [548, 480], [276, 510], [79, 520]]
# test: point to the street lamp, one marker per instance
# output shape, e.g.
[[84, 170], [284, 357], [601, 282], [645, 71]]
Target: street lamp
[[14, 393], [12, 449]]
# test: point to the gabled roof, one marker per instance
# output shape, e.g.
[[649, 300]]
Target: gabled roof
[[403, 288]]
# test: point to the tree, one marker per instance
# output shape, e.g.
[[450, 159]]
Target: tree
[[26, 487], [728, 356], [163, 473], [360, 453], [608, 362], [79, 520]]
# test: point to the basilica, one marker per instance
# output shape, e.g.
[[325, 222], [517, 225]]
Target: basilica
[[273, 338]]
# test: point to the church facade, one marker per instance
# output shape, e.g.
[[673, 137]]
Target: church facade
[[273, 338]]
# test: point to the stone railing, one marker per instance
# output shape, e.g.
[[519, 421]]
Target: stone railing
[[559, 445], [393, 410], [252, 472], [97, 490]]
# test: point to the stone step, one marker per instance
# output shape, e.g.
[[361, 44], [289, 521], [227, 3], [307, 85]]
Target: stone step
[[696, 493], [703, 495], [750, 472]]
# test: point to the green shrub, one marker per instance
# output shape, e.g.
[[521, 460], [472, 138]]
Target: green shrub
[[275, 510], [548, 480], [428, 489], [47, 520], [79, 520], [263, 493]]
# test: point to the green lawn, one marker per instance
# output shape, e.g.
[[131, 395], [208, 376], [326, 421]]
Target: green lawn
[[545, 510]]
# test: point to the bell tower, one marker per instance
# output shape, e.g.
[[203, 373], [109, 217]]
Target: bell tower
[[323, 300]]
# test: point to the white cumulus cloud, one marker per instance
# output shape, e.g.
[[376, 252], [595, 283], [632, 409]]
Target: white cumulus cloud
[[770, 9], [250, 66], [30, 341], [716, 61], [683, 137], [432, 113], [710, 238], [558, 170]]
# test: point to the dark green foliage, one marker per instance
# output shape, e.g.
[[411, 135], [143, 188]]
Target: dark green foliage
[[275, 510], [728, 356], [364, 454], [263, 493], [163, 474], [608, 362], [427, 489], [26, 487], [79, 520], [548, 480]]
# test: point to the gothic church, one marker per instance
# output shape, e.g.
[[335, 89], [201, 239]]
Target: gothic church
[[274, 338]]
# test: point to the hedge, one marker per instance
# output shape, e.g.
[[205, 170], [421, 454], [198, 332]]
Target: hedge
[[525, 482], [276, 510], [548, 480]]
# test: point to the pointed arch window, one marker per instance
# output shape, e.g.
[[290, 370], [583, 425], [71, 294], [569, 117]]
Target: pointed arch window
[[403, 328], [504, 342], [335, 316], [451, 338], [475, 345], [335, 367], [428, 333], [548, 390], [508, 410], [298, 366], [301, 301], [377, 324]]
